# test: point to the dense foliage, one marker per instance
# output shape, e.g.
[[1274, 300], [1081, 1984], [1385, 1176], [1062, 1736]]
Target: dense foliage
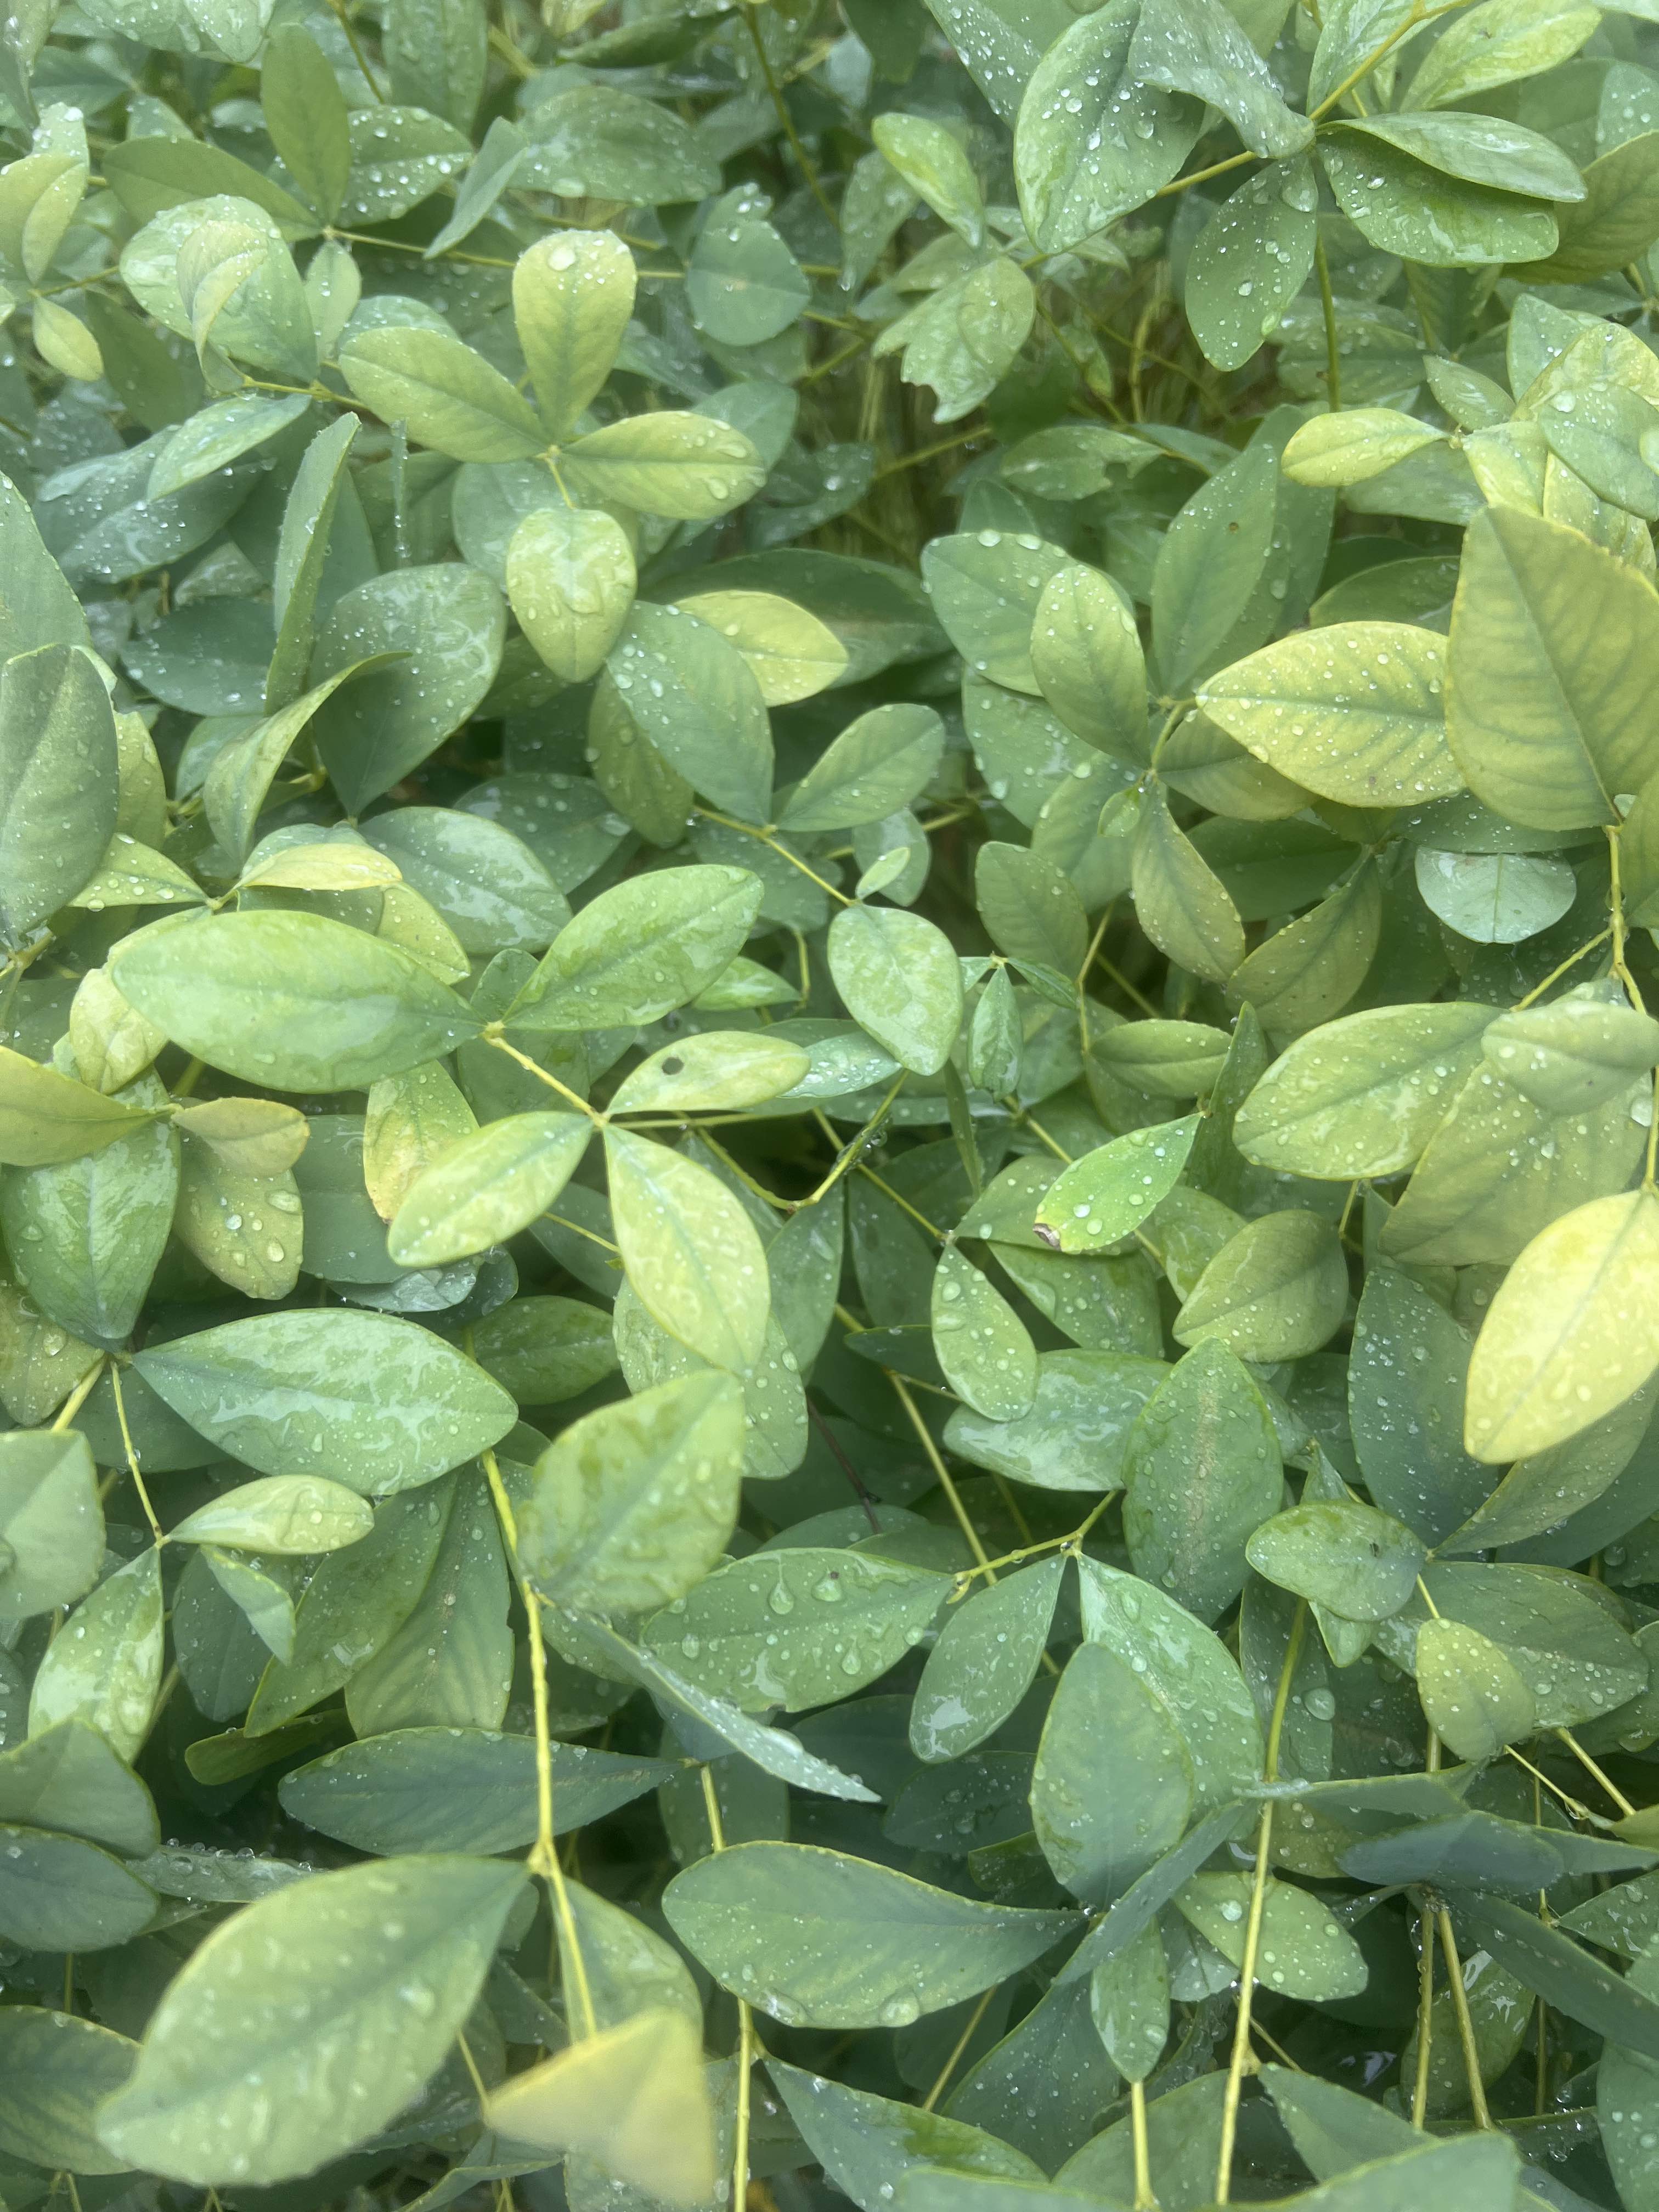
[[829, 852]]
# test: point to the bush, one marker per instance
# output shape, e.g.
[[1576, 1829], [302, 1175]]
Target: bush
[[828, 864]]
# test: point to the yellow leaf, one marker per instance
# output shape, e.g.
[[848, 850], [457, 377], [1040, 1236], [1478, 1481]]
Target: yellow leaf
[[632, 2099], [1573, 1330]]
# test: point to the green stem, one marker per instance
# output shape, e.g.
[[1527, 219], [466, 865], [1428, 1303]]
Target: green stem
[[1333, 350], [785, 120], [1243, 2060], [1459, 1998]]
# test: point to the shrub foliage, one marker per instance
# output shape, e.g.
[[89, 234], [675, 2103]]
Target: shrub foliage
[[828, 854]]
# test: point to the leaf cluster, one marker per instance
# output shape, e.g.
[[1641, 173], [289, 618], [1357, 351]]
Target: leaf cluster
[[828, 1026]]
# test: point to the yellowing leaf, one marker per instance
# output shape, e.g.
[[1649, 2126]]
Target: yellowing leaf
[[1553, 665], [1474, 1697], [632, 2099], [1355, 712], [1572, 1331]]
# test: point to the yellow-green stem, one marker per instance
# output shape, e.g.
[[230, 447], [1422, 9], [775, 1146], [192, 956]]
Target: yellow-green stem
[[543, 1857]]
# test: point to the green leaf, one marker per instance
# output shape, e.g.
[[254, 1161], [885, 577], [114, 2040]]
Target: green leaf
[[985, 1661], [1305, 1951], [1406, 1387], [816, 1938], [686, 467], [302, 549], [70, 1780], [285, 1513], [1572, 1655], [1362, 1563], [59, 1893], [1563, 1975], [487, 1188], [689, 1250], [1032, 909], [542, 1349], [58, 783], [365, 1976], [861, 2140], [1624, 2091], [447, 395], [774, 1751], [1092, 141], [399, 157], [1104, 1197], [1494, 898], [1087, 660], [355, 1604], [253, 1137], [633, 1505], [1482, 149], [936, 167], [87, 1234], [985, 587], [1198, 47], [40, 608], [692, 693], [983, 1347], [1179, 900], [218, 435], [104, 1665], [437, 53], [573, 294], [1113, 1783], [1493, 44], [355, 1398], [305, 114], [486, 884], [1403, 205], [1309, 970], [446, 623], [1277, 1289], [456, 1790], [1362, 1096], [1129, 2000], [1617, 219], [791, 654], [878, 763], [1546, 731], [852, 1615], [1573, 1330], [293, 1000], [721, 1068], [640, 949], [742, 283], [237, 787], [1203, 1472], [1575, 1051], [900, 980], [1188, 1667], [570, 581], [608, 144], [1074, 1436], [1355, 712], [1251, 260], [52, 1526], [58, 2070], [150, 175], [45, 1118]]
